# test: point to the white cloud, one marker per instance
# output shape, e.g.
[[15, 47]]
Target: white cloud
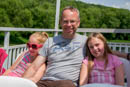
[[127, 5], [115, 6], [112, 3]]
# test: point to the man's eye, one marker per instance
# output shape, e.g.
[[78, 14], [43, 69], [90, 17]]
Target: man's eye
[[72, 21], [65, 21]]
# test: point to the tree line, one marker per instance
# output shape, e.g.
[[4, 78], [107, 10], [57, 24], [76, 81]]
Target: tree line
[[41, 14]]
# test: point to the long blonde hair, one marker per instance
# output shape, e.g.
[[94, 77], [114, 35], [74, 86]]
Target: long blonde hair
[[106, 51]]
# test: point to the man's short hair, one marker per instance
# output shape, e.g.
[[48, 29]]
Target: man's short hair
[[72, 9]]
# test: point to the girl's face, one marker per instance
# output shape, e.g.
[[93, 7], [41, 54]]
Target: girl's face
[[96, 47], [33, 46]]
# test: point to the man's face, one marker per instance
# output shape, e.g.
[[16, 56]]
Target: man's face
[[69, 23]]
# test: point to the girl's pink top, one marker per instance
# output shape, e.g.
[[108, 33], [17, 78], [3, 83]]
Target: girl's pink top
[[22, 66], [100, 75]]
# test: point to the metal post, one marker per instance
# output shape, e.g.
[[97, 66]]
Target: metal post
[[57, 17], [6, 40], [85, 33], [6, 47]]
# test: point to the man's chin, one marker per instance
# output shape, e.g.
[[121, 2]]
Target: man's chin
[[70, 34]]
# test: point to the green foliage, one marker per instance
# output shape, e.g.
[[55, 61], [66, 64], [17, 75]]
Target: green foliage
[[41, 14], [1, 38], [4, 19], [23, 19], [91, 21], [43, 17]]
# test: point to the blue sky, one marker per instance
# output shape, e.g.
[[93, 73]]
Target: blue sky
[[111, 3]]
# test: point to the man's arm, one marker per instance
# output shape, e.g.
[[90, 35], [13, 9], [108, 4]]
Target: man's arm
[[30, 72], [123, 55]]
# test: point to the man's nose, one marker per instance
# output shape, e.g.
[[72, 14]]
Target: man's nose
[[68, 23]]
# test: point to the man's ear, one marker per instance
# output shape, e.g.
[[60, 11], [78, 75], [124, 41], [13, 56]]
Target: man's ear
[[60, 22], [78, 23]]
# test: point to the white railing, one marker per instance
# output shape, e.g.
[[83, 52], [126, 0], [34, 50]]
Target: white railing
[[7, 31], [13, 51], [121, 47]]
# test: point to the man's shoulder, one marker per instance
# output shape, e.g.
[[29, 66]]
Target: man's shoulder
[[54, 39], [82, 37], [79, 35]]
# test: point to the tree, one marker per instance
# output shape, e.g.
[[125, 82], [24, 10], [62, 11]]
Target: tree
[[4, 19], [23, 19]]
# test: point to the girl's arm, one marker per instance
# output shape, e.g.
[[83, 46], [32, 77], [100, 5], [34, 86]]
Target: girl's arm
[[11, 68], [39, 74], [119, 75], [35, 66], [18, 59], [83, 75]]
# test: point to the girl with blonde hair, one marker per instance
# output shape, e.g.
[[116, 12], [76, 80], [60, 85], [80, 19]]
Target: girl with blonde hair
[[24, 60]]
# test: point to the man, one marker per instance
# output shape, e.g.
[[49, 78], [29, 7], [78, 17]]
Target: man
[[63, 53]]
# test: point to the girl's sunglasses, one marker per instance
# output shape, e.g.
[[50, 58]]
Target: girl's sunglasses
[[34, 46]]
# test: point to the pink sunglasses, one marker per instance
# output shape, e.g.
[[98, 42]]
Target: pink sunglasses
[[34, 46]]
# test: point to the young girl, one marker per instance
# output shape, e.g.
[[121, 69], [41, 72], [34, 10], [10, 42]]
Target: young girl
[[34, 44], [100, 65]]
